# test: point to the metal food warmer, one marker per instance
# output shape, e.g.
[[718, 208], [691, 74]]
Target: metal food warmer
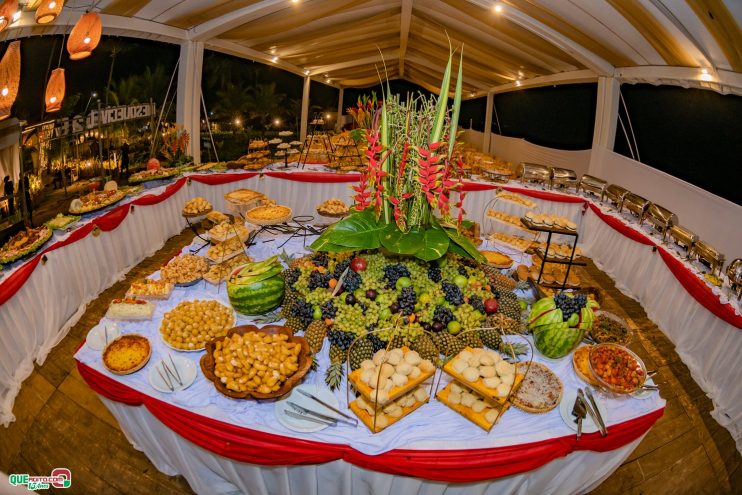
[[708, 255], [682, 237], [615, 194], [533, 172], [563, 177], [660, 218], [592, 185], [635, 204], [734, 273]]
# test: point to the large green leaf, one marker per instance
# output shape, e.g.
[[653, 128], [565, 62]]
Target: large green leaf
[[400, 242], [358, 230], [465, 244], [456, 249], [435, 245]]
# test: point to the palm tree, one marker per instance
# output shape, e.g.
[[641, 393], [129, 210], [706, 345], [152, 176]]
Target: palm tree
[[264, 104], [232, 101], [153, 84], [124, 91], [117, 47]]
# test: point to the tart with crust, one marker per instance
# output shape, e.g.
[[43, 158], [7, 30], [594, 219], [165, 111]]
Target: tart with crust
[[540, 391], [127, 354], [269, 214]]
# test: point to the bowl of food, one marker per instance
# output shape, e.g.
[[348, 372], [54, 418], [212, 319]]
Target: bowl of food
[[610, 329], [616, 368]]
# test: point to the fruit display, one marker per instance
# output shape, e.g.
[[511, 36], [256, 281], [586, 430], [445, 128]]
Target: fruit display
[[472, 405], [376, 418], [23, 243], [152, 174], [218, 273], [507, 219], [257, 287], [558, 323], [617, 368], [196, 206], [191, 324], [127, 354], [547, 220], [268, 214], [332, 207], [486, 372], [511, 241], [609, 328], [226, 230], [540, 391], [130, 309], [223, 251], [150, 289], [184, 269], [61, 222], [95, 201], [391, 374], [712, 279], [131, 190], [515, 198]]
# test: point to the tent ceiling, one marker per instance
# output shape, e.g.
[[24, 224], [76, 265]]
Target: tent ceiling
[[528, 42]]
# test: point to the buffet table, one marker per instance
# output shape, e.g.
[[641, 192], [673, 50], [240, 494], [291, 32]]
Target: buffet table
[[221, 445], [80, 265]]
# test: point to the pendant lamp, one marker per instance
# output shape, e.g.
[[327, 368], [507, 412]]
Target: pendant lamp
[[55, 91], [48, 11], [10, 75], [8, 10], [84, 36]]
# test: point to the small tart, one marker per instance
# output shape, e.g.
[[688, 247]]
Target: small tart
[[540, 391], [127, 354], [269, 213]]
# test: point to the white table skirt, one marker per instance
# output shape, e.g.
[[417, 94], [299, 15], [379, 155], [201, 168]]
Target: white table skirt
[[209, 473], [52, 300]]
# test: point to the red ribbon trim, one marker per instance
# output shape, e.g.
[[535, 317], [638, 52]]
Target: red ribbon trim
[[217, 179], [621, 227], [456, 466], [315, 177], [546, 195]]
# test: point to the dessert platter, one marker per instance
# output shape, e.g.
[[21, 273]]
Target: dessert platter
[[130, 309], [191, 324], [153, 174], [226, 230], [498, 260], [242, 200], [333, 207], [150, 289], [184, 270], [127, 354], [23, 243], [512, 242], [95, 201], [516, 198], [268, 215], [507, 219], [62, 222], [551, 221], [223, 251], [196, 207]]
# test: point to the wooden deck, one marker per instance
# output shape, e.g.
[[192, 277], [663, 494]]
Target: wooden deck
[[61, 422]]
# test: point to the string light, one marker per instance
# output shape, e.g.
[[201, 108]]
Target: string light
[[498, 7]]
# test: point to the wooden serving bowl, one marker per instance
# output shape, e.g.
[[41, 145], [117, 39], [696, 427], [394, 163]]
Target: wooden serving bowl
[[305, 362]]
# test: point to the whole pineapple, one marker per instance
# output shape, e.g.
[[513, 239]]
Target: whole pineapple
[[294, 324], [448, 344], [425, 346], [502, 282], [505, 324], [490, 337], [334, 375], [470, 339], [288, 302], [509, 306], [361, 350], [315, 335]]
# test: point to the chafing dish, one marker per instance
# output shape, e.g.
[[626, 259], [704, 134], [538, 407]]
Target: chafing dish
[[635, 204], [708, 255], [497, 175], [563, 177], [615, 194], [533, 172], [682, 237], [734, 273], [592, 185], [661, 218]]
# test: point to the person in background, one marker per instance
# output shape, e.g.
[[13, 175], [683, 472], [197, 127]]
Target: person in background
[[8, 191], [125, 158], [27, 196]]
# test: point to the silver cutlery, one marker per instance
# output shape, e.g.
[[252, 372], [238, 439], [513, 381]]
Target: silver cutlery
[[328, 406], [592, 409], [170, 373], [165, 380], [306, 417], [310, 412], [579, 412]]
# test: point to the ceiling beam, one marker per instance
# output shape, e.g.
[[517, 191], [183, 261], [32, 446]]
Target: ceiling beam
[[435, 68], [721, 81], [720, 22], [373, 59], [404, 32], [572, 77], [214, 27]]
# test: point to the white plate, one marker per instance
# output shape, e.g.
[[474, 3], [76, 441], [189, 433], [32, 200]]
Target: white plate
[[643, 393], [300, 425], [565, 410], [186, 368], [96, 338]]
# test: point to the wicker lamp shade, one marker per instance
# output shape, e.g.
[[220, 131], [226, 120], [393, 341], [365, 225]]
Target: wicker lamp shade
[[84, 36], [48, 11], [55, 91], [10, 76], [8, 8]]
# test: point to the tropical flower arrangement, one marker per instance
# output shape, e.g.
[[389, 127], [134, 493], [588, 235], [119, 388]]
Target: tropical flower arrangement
[[405, 198], [363, 114], [174, 145]]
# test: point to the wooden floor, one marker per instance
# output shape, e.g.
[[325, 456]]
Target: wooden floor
[[60, 422]]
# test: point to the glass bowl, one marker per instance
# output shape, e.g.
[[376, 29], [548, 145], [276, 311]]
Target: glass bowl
[[605, 338], [623, 354]]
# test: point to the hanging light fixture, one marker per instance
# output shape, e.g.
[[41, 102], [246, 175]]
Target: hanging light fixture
[[48, 11], [85, 36], [55, 91], [10, 75], [8, 11]]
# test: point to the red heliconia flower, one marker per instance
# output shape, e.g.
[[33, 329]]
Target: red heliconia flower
[[361, 198], [460, 206]]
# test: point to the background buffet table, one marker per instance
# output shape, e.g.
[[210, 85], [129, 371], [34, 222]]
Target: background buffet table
[[80, 265]]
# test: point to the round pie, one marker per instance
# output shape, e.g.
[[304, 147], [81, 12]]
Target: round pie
[[540, 391], [581, 364], [269, 214], [127, 354]]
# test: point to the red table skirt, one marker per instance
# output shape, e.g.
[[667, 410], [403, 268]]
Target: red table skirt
[[455, 466]]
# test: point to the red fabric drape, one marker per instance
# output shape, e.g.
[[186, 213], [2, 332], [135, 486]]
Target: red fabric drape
[[621, 227], [216, 179], [323, 177], [548, 196], [246, 445]]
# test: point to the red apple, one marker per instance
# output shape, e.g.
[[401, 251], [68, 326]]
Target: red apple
[[491, 305], [358, 264]]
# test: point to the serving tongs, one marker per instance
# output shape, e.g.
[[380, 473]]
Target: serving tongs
[[313, 415], [579, 412], [592, 409]]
